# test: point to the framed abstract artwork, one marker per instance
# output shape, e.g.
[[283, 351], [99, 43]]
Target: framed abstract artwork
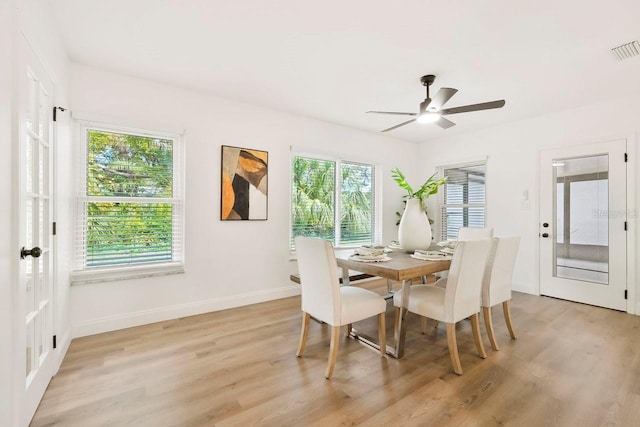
[[244, 184]]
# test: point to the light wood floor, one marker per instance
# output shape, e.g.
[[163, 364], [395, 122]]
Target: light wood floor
[[572, 365]]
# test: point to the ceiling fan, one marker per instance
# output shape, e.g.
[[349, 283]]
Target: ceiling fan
[[431, 110]]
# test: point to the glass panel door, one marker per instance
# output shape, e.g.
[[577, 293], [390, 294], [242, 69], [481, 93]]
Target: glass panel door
[[582, 222], [583, 214], [35, 265]]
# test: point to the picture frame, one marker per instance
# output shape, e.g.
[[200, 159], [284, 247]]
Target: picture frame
[[244, 184]]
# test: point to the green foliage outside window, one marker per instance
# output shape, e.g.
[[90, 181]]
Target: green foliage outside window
[[128, 166], [313, 207], [313, 200]]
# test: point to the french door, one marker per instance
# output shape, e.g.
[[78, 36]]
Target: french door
[[583, 242], [34, 210]]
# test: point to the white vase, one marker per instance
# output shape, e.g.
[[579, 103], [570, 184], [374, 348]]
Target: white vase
[[414, 231]]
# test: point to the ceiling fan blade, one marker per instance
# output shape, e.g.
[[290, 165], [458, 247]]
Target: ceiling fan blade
[[397, 126], [444, 123], [441, 98], [473, 107], [391, 112]]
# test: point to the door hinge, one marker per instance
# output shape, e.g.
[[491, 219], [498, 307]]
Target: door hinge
[[625, 226], [55, 343], [55, 112], [54, 228], [626, 157], [625, 294]]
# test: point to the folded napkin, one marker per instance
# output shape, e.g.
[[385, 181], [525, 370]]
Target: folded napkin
[[430, 255], [369, 258], [448, 244], [369, 250]]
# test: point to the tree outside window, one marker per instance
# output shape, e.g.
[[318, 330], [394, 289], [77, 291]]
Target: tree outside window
[[328, 192]]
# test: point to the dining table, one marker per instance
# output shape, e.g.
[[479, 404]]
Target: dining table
[[401, 267]]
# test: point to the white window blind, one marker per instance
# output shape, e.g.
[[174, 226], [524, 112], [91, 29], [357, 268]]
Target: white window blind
[[130, 206], [357, 208], [333, 200], [463, 199]]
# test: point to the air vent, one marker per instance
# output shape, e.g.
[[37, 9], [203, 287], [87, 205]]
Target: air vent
[[627, 50]]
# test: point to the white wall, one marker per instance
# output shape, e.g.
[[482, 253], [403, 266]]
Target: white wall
[[512, 166], [227, 263]]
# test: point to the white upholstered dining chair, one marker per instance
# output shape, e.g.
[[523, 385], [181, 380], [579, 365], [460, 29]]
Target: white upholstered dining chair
[[458, 300], [496, 286], [324, 298], [464, 233]]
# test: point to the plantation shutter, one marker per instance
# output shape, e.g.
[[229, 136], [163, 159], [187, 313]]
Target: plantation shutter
[[130, 206], [463, 199]]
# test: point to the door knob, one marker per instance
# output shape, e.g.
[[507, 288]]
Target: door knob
[[545, 225], [35, 252], [545, 234]]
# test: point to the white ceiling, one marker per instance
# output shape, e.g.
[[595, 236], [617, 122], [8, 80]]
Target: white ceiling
[[335, 59]]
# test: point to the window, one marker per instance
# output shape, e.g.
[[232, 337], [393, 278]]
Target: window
[[463, 198], [130, 206], [333, 200]]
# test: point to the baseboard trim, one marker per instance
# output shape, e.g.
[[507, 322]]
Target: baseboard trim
[[524, 288], [128, 320], [62, 346]]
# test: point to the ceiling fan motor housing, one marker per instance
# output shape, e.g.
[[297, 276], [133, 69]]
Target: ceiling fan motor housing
[[427, 80]]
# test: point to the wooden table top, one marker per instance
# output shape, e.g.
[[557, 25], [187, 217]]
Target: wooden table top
[[400, 267]]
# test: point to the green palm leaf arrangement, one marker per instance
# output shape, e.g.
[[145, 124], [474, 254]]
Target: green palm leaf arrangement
[[429, 188]]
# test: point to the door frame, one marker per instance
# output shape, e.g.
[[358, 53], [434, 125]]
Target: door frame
[[632, 225], [632, 215]]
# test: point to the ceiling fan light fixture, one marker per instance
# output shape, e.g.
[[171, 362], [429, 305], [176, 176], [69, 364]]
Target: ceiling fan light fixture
[[428, 117]]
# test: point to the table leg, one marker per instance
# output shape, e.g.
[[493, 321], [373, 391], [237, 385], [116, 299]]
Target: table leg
[[400, 332], [389, 294], [345, 277]]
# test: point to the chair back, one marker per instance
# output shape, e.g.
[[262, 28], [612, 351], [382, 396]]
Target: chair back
[[496, 284], [464, 283], [474, 233], [319, 279]]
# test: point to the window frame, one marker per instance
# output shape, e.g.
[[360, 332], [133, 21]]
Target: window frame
[[81, 274], [339, 160], [444, 205]]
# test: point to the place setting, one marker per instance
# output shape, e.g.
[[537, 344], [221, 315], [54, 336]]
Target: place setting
[[370, 253], [445, 253]]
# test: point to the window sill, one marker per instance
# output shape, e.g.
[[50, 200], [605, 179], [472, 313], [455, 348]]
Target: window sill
[[112, 274]]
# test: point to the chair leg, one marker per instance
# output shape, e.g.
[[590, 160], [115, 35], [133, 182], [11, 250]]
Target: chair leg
[[488, 324], [303, 333], [475, 325], [349, 328], [382, 333], [333, 350], [423, 324], [507, 318], [453, 348]]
